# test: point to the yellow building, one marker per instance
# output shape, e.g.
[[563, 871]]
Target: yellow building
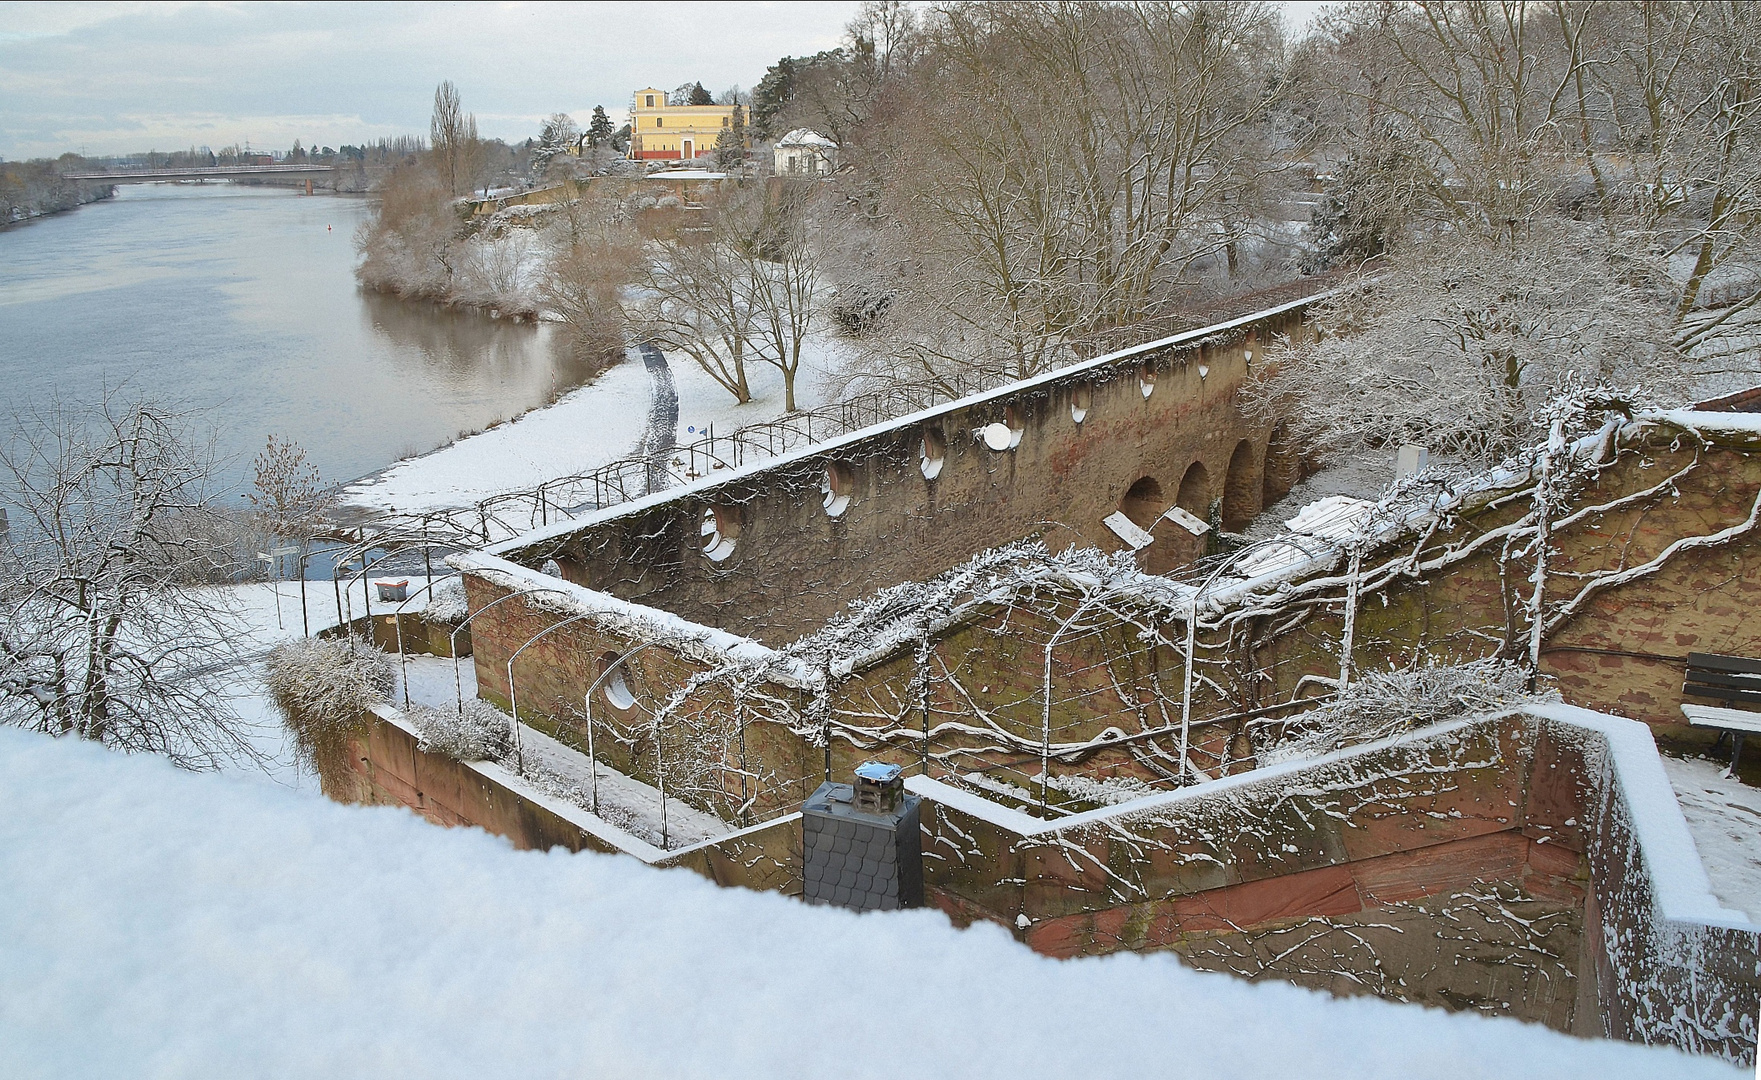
[[675, 132]]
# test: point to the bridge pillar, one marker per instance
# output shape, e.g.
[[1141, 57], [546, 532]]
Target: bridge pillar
[[308, 185]]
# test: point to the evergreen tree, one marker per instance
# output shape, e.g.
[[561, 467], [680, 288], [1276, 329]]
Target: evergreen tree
[[700, 96], [599, 129], [730, 145]]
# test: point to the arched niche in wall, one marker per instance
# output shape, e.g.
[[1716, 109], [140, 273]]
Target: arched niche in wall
[[932, 452], [1195, 492], [615, 684], [1241, 488], [1015, 419], [1146, 377], [1082, 399], [1144, 502], [720, 532], [838, 485], [1280, 468]]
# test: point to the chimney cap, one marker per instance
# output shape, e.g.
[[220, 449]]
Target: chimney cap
[[878, 772]]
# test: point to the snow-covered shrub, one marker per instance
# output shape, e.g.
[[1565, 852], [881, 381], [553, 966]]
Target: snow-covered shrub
[[1381, 704], [480, 733], [323, 688], [446, 601]]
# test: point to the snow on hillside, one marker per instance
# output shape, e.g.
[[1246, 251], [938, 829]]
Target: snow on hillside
[[588, 427], [157, 923]]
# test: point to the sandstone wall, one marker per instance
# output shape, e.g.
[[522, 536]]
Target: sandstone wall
[[793, 564], [386, 766]]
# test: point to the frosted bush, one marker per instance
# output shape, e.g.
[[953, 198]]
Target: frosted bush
[[324, 686], [446, 601], [479, 734], [1382, 704]]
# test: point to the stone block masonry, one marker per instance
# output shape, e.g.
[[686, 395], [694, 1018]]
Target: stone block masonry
[[1531, 864]]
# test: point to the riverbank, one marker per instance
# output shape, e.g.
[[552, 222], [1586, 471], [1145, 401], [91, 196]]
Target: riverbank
[[32, 190], [610, 418], [240, 304]]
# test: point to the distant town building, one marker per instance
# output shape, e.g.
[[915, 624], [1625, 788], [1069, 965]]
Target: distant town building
[[663, 132], [805, 153]]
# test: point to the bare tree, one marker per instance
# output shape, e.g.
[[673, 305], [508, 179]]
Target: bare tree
[[108, 633], [414, 244], [556, 139], [287, 495], [1462, 347], [1484, 118], [594, 252], [1058, 171], [696, 296], [783, 273], [452, 132]]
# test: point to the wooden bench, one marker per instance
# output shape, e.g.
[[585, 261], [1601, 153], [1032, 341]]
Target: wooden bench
[[1730, 681]]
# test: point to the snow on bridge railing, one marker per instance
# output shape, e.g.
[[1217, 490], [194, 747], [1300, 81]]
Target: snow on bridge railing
[[511, 513]]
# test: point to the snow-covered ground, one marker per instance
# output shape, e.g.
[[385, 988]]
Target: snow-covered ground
[[1724, 817], [265, 627], [624, 802], [561, 771], [438, 681], [1364, 475], [586, 428], [179, 925]]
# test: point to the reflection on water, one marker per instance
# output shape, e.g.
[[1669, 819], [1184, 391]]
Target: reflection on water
[[241, 302], [461, 345]]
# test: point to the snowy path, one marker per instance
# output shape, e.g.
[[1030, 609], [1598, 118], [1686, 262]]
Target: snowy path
[[1724, 818], [662, 433], [612, 418]]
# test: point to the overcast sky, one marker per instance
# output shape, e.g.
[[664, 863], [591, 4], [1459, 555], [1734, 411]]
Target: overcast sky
[[110, 78], [123, 77]]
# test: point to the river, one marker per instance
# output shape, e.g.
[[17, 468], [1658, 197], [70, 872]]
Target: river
[[240, 303]]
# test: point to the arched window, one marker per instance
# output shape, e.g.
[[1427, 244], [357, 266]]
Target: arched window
[[720, 532], [1195, 492], [838, 486], [932, 452]]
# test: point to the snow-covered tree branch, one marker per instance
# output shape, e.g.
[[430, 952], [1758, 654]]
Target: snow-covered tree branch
[[109, 633]]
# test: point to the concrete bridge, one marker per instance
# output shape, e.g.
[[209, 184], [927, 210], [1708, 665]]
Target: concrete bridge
[[309, 170]]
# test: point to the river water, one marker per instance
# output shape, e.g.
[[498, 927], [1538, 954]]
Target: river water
[[241, 303]]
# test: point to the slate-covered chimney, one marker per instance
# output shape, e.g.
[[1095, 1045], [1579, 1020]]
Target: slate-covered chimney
[[861, 845]]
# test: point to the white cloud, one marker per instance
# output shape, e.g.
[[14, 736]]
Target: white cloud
[[124, 77]]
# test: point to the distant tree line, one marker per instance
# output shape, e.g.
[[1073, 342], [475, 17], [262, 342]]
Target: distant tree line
[[31, 189]]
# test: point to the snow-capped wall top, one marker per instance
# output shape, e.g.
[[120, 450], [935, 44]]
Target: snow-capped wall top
[[1678, 877], [1189, 338], [705, 644], [1719, 423]]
